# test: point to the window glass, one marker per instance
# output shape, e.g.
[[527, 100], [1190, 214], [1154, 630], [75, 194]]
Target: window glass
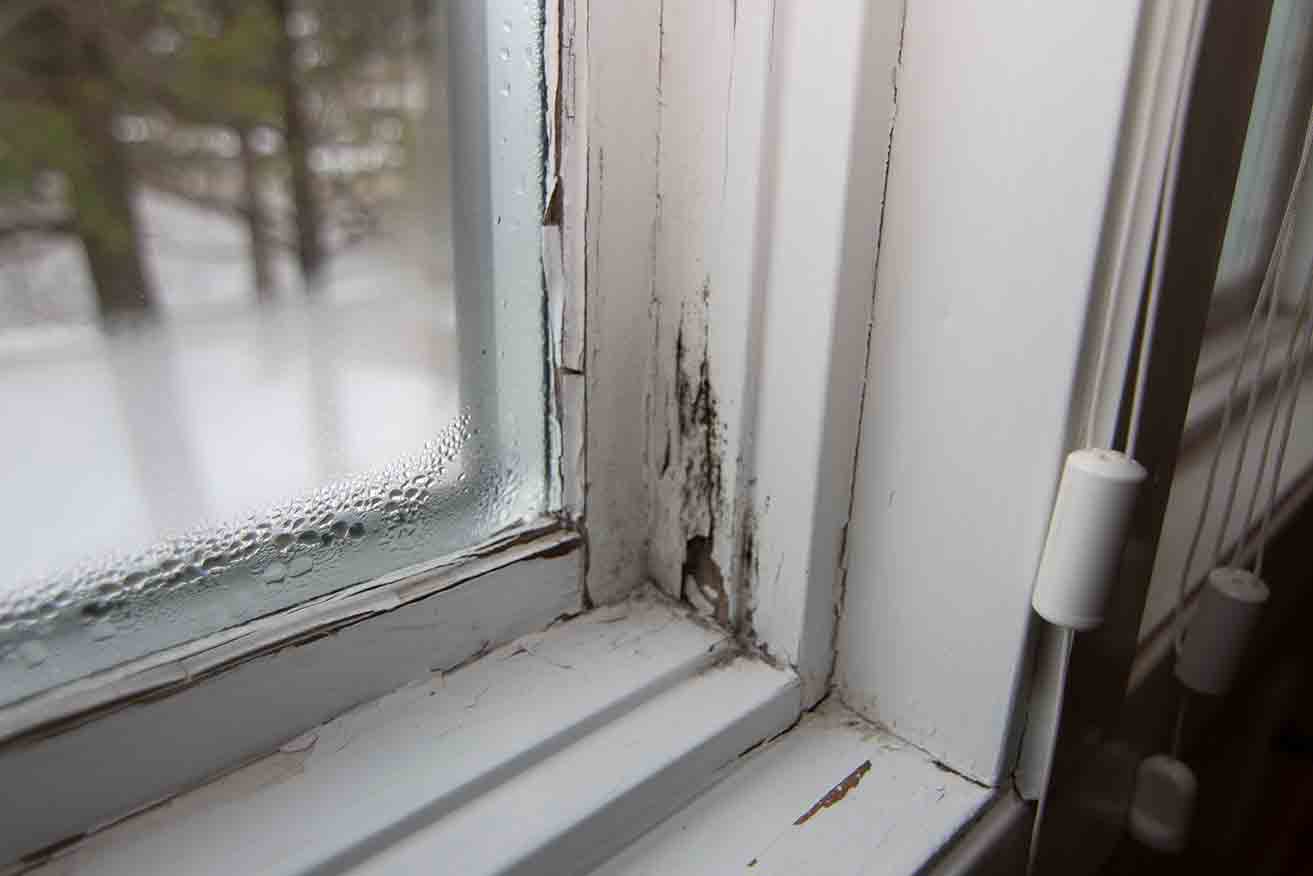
[[1267, 166], [271, 308]]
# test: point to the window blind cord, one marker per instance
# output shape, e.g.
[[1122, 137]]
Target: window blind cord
[[1163, 226], [1114, 287], [1231, 395], [1210, 482], [1275, 269], [1247, 425], [1278, 402], [1163, 222], [1296, 387]]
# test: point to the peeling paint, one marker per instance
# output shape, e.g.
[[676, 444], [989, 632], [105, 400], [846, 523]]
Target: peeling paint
[[692, 427], [837, 793], [700, 486], [703, 581]]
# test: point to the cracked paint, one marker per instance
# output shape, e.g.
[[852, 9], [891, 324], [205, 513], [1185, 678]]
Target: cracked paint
[[837, 793]]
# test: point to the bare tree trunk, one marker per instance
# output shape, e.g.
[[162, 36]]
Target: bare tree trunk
[[106, 221], [298, 142], [257, 221], [101, 195]]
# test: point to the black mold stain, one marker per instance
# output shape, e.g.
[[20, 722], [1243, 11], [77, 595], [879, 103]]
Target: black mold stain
[[699, 424]]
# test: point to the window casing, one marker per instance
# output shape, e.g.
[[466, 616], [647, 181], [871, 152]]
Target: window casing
[[795, 212]]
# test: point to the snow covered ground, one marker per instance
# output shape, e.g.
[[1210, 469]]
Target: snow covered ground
[[113, 443]]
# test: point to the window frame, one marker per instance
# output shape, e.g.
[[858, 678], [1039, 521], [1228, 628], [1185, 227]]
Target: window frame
[[1122, 672], [660, 293], [1233, 297], [597, 106]]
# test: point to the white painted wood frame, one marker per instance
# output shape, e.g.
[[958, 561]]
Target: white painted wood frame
[[988, 297], [724, 389]]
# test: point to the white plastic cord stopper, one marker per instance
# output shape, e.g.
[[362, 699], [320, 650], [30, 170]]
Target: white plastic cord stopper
[[1165, 790], [1230, 603], [1087, 533]]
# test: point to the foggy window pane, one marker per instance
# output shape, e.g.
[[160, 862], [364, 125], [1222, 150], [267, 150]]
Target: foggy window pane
[[270, 309]]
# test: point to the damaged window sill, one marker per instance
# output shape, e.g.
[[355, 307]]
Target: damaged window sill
[[554, 753], [835, 795]]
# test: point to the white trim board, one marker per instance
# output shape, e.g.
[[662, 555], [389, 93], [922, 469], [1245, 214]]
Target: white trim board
[[999, 183], [564, 734], [732, 220]]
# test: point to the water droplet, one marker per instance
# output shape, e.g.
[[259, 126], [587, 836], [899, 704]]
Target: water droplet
[[299, 566], [94, 609], [275, 572], [504, 54], [283, 539], [33, 653], [308, 537], [507, 25], [505, 90]]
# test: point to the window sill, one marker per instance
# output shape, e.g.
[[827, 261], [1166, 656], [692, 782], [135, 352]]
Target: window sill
[[122, 741], [836, 795], [552, 754]]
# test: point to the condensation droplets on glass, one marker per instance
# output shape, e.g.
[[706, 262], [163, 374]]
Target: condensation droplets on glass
[[322, 281]]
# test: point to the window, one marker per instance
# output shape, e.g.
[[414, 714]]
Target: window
[[770, 230], [1281, 101], [1278, 114], [271, 310]]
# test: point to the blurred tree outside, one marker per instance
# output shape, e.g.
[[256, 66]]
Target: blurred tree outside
[[60, 98], [295, 118]]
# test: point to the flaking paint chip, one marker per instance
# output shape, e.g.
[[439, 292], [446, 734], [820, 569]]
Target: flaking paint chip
[[837, 793]]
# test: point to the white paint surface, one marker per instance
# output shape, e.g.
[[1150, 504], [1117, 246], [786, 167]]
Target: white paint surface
[[154, 748], [572, 810], [1003, 152], [543, 756], [620, 84], [832, 102], [898, 816]]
